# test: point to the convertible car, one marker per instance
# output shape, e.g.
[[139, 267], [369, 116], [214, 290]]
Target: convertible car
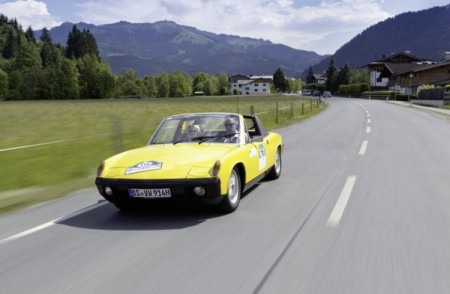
[[212, 157]]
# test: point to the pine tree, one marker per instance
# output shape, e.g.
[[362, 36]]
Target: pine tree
[[310, 76], [331, 74], [279, 80]]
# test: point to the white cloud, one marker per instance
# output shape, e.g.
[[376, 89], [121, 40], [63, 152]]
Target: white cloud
[[29, 13], [280, 21], [289, 22]]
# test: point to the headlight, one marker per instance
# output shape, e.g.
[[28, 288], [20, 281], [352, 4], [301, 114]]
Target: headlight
[[100, 168]]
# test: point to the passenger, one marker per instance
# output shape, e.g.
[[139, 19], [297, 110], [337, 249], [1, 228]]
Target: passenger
[[192, 132]]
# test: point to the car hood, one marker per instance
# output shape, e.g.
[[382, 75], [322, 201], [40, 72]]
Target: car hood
[[166, 161]]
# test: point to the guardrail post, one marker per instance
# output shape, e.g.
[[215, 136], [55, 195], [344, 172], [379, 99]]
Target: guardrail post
[[303, 108], [292, 109], [252, 110], [276, 112], [116, 134]]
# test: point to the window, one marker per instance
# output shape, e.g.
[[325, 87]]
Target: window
[[256, 90], [256, 85]]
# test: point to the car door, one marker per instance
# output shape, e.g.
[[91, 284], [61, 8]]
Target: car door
[[256, 148]]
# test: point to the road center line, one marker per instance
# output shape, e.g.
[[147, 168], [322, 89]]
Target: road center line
[[50, 223], [341, 203], [368, 130], [362, 151]]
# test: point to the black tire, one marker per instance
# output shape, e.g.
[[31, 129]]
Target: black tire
[[230, 202], [275, 171]]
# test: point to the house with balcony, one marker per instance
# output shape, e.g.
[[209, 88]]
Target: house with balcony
[[248, 85], [319, 79], [407, 73]]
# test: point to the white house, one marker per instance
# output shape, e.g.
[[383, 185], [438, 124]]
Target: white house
[[247, 85]]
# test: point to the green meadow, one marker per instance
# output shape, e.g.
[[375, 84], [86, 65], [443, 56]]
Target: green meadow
[[50, 148]]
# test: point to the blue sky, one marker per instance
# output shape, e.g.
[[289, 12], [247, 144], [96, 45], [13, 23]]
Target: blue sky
[[320, 26]]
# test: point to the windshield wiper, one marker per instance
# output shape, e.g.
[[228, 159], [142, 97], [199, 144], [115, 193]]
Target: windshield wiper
[[206, 138]]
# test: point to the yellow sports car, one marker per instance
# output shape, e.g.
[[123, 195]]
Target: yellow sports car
[[212, 157]]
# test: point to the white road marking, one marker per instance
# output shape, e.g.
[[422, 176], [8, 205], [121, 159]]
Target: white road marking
[[34, 145], [368, 130], [51, 223], [341, 203], [52, 142], [369, 121], [362, 151]]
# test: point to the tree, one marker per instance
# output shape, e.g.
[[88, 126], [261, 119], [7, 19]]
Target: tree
[[279, 80], [163, 85], [3, 85], [310, 76], [96, 79], [45, 37], [204, 83], [50, 55], [129, 84], [68, 78], [360, 77], [223, 85], [150, 84], [81, 43], [27, 56], [343, 76], [11, 45], [29, 34], [331, 74], [180, 84]]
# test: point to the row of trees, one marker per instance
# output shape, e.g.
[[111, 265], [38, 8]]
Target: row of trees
[[335, 78], [33, 69]]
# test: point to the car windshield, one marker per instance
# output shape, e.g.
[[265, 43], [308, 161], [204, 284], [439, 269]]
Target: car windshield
[[196, 128]]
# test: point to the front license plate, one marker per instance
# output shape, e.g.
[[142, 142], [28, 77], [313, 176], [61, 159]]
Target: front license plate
[[150, 193]]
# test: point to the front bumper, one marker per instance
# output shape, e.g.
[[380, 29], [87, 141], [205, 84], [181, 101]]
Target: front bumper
[[180, 188]]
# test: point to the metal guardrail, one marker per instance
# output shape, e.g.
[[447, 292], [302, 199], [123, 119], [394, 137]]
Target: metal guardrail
[[447, 98]]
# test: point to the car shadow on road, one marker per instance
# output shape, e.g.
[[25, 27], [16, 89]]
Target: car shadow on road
[[158, 216]]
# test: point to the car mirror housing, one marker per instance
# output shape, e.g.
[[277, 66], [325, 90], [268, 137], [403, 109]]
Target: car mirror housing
[[257, 139]]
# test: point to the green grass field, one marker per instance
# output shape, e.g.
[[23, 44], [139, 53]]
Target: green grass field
[[49, 148]]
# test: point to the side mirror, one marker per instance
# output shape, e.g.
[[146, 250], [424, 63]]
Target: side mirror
[[257, 139]]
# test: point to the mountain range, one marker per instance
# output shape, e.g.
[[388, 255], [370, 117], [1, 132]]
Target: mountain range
[[164, 46], [425, 34]]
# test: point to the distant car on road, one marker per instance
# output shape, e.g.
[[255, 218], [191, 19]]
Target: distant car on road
[[327, 94], [317, 94], [307, 92]]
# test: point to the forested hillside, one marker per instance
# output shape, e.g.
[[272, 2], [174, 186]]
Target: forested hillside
[[164, 46], [425, 33], [33, 69], [43, 69]]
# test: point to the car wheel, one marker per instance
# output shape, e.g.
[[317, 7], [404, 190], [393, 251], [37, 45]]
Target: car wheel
[[231, 201], [275, 171]]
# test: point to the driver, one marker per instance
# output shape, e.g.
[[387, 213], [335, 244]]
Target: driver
[[231, 126]]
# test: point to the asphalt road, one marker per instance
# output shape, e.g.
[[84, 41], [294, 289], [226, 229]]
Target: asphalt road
[[362, 206]]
